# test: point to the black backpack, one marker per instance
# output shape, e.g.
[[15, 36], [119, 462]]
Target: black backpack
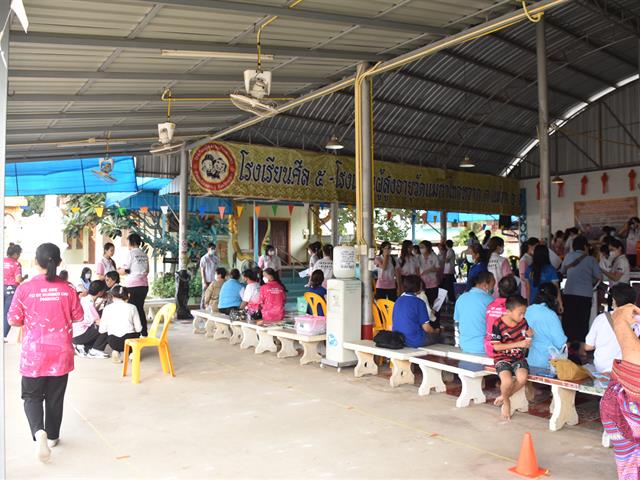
[[391, 340]]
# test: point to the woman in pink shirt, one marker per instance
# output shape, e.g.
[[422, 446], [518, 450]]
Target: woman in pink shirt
[[45, 307], [386, 286], [106, 263], [496, 309], [273, 296], [12, 278]]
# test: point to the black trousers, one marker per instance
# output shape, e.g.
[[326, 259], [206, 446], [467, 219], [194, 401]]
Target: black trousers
[[448, 282], [227, 310], [632, 260], [432, 294], [117, 343], [47, 390], [92, 339], [575, 319], [388, 293], [9, 290], [137, 296]]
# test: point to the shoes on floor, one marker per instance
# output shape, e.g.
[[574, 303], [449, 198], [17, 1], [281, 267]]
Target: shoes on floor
[[93, 353], [42, 449], [53, 443], [116, 357], [79, 350]]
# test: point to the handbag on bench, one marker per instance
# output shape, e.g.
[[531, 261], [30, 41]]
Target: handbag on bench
[[390, 340]]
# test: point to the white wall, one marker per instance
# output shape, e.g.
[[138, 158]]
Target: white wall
[[562, 214]]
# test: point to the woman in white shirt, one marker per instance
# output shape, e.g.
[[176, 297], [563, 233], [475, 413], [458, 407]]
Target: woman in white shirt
[[498, 265], [136, 269], [325, 264], [429, 268], [620, 271], [120, 321], [251, 294], [631, 231], [407, 264], [449, 270], [270, 259], [315, 252], [106, 263]]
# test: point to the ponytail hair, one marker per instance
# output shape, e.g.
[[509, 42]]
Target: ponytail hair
[[276, 277], [13, 250], [48, 257], [118, 291]]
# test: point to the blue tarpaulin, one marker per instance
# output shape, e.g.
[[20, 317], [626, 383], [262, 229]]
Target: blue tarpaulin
[[148, 196], [69, 176]]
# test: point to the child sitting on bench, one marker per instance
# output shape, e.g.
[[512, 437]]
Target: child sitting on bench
[[511, 336]]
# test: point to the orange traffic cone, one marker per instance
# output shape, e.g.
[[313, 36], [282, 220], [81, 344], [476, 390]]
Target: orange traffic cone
[[527, 462]]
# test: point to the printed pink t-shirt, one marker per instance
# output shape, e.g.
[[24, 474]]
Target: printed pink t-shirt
[[387, 277], [12, 268], [46, 310], [495, 310], [272, 300]]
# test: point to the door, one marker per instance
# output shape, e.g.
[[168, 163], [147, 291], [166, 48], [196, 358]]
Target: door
[[279, 235]]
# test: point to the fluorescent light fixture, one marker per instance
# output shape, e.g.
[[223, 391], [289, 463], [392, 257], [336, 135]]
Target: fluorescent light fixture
[[467, 163], [90, 142], [557, 180], [334, 144], [220, 55], [627, 80], [601, 94]]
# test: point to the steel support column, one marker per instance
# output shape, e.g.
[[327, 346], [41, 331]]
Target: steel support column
[[183, 213], [4, 46], [413, 226], [543, 133], [443, 226], [367, 250], [335, 233]]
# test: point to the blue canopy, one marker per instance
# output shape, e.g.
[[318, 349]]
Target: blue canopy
[[81, 175], [148, 196]]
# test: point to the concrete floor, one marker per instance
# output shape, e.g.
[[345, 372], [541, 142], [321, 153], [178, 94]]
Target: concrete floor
[[232, 414]]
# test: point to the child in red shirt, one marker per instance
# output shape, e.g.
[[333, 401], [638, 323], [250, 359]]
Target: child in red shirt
[[511, 336]]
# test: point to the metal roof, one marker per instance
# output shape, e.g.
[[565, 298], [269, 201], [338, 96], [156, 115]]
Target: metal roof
[[93, 69]]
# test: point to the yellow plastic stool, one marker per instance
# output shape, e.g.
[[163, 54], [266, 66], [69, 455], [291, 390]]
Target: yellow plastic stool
[[135, 345], [313, 299]]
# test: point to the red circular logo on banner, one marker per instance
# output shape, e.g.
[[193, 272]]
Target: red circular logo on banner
[[213, 166]]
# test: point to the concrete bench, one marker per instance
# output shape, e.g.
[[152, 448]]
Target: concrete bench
[[456, 353], [200, 317], [218, 325], [470, 374], [401, 366], [257, 336], [310, 343]]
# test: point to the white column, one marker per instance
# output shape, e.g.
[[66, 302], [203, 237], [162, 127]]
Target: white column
[[543, 132], [367, 206]]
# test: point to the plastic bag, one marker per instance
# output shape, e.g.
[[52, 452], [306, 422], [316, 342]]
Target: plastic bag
[[557, 354], [301, 305]]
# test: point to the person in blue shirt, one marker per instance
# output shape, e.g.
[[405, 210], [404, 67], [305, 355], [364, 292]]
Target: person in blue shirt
[[230, 293], [410, 316], [477, 260], [543, 318], [541, 271], [315, 286], [470, 313]]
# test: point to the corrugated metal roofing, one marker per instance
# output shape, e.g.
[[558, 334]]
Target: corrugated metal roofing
[[479, 99]]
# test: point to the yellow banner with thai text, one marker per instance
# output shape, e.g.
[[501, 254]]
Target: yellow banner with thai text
[[229, 169]]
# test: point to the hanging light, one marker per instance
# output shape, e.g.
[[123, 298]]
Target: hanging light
[[557, 180], [467, 163], [334, 144]]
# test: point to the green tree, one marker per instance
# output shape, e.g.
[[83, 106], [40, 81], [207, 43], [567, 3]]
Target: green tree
[[463, 236], [394, 228], [111, 223], [35, 206]]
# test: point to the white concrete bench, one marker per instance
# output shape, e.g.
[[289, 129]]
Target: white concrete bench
[[456, 353], [257, 336], [152, 305], [310, 343], [401, 366], [470, 374], [217, 324], [201, 321]]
